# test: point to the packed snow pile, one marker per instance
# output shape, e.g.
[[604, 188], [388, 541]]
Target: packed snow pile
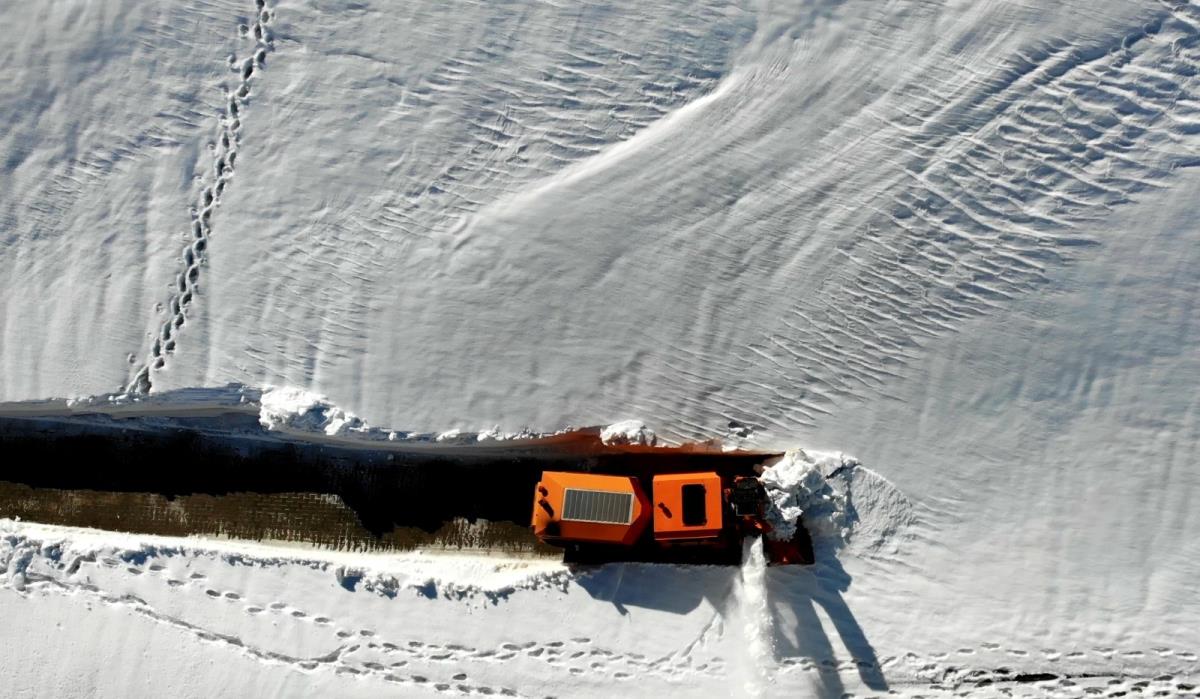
[[837, 497], [297, 409], [799, 484], [628, 432]]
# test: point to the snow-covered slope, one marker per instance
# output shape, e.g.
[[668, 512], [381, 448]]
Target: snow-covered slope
[[956, 239]]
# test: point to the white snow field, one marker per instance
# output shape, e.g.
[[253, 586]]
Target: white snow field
[[956, 239]]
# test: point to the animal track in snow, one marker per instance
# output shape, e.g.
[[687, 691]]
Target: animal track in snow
[[33, 568], [362, 652], [225, 152]]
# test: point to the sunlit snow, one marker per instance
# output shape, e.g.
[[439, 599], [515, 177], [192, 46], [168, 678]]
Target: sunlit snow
[[957, 240]]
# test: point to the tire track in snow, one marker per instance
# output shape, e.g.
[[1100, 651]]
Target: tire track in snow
[[225, 153], [986, 190]]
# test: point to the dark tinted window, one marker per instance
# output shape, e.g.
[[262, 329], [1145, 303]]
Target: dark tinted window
[[693, 505]]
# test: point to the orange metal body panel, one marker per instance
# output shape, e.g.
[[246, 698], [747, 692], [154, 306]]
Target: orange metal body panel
[[668, 492], [550, 496]]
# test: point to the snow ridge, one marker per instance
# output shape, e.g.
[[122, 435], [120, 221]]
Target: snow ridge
[[224, 160], [1001, 179]]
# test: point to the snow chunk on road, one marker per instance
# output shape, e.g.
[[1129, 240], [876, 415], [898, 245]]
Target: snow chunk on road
[[286, 408], [628, 432]]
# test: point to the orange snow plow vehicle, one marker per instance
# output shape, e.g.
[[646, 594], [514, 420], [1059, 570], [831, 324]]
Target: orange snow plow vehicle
[[680, 517]]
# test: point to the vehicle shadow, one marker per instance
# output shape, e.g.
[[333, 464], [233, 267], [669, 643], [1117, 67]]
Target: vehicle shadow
[[666, 588], [797, 596], [803, 602]]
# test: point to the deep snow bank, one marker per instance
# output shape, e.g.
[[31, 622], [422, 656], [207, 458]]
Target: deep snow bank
[[37, 552], [297, 409], [628, 432]]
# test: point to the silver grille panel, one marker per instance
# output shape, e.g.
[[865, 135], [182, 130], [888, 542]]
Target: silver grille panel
[[599, 506]]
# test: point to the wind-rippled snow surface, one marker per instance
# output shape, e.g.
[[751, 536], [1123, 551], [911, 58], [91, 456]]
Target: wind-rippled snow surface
[[956, 239]]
